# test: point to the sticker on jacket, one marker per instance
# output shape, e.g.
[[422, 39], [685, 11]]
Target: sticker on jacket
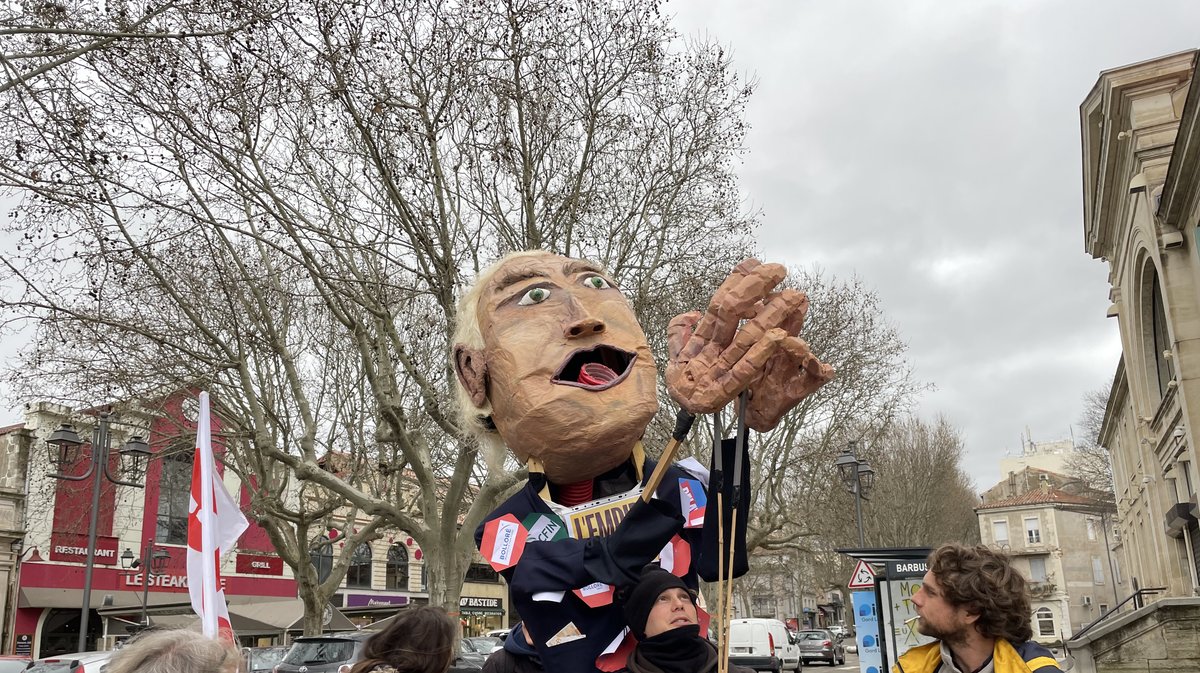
[[566, 634], [692, 502]]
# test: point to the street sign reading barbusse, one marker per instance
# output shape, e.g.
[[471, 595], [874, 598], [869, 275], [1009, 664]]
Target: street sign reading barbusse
[[503, 541], [862, 578]]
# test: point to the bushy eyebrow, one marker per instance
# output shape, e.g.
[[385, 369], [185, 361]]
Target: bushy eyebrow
[[516, 276], [571, 267], [580, 266]]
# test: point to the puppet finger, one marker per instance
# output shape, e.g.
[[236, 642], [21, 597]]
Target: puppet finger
[[679, 331]]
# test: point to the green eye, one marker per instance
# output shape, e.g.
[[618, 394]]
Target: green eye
[[596, 282], [535, 296]]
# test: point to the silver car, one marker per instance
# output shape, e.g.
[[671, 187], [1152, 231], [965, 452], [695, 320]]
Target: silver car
[[821, 645]]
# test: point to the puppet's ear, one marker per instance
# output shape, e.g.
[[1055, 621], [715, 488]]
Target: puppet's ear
[[471, 368]]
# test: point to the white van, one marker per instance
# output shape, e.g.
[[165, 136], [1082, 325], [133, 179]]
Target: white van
[[763, 644]]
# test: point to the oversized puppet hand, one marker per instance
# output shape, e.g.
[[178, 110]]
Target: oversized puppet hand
[[712, 360]]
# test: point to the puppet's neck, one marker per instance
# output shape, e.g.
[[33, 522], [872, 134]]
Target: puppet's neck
[[617, 480]]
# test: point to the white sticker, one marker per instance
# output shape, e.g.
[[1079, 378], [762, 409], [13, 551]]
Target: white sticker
[[593, 589], [506, 533]]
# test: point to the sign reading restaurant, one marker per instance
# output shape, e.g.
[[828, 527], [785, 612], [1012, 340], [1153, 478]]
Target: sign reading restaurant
[[72, 547]]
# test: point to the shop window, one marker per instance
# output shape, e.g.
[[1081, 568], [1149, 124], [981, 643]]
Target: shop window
[[397, 568], [359, 573], [1045, 621], [482, 572], [174, 494], [321, 557]]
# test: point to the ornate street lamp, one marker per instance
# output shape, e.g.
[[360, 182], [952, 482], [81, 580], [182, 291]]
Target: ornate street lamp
[[858, 477], [158, 563], [64, 452]]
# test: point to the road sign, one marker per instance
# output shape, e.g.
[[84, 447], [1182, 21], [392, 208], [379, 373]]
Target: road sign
[[862, 578]]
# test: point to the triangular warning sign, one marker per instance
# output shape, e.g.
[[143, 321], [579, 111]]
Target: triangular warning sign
[[863, 577]]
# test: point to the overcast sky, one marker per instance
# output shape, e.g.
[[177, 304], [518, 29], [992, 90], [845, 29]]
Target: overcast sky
[[933, 149]]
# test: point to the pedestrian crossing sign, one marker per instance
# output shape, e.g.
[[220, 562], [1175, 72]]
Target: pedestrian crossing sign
[[862, 578]]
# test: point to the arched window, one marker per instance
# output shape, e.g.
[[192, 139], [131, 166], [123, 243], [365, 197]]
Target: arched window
[[1156, 335], [1045, 621], [359, 574], [174, 494], [397, 568], [321, 557]]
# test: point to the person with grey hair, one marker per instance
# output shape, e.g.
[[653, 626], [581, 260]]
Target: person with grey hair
[[174, 651]]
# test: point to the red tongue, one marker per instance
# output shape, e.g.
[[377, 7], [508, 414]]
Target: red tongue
[[596, 374]]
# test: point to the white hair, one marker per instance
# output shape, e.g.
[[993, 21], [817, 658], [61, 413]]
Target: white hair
[[173, 651], [473, 420]]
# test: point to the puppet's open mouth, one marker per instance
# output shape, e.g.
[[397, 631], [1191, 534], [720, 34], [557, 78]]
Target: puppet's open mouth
[[598, 368]]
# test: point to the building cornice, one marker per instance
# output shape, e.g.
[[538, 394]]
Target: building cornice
[[1179, 191]]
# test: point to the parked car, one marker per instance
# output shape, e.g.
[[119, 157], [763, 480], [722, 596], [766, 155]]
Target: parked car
[[338, 652], [468, 652], [79, 662], [485, 645], [763, 644], [323, 654], [13, 663], [821, 645], [263, 658], [498, 633]]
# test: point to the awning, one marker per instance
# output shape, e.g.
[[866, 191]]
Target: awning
[[289, 615], [178, 617], [253, 619], [46, 597]]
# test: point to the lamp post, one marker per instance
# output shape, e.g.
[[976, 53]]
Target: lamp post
[[858, 477], [64, 445], [158, 559]]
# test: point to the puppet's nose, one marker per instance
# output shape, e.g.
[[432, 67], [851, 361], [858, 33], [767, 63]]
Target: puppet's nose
[[583, 328]]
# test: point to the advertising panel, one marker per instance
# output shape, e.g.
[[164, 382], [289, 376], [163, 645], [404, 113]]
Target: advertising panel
[[866, 627]]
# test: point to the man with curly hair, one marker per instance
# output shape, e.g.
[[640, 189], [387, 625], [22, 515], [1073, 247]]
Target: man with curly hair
[[977, 606]]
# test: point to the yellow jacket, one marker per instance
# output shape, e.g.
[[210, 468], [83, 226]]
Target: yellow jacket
[[1027, 657]]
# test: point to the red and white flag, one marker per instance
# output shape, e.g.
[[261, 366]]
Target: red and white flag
[[214, 525]]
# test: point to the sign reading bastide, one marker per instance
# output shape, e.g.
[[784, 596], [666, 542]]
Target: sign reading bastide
[[72, 547], [480, 605]]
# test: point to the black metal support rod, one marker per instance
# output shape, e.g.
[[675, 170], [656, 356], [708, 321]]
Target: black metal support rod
[[858, 508], [147, 555]]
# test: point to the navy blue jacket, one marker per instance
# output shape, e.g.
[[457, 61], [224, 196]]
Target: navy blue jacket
[[568, 564]]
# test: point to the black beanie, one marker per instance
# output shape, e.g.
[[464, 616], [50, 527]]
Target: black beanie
[[639, 599]]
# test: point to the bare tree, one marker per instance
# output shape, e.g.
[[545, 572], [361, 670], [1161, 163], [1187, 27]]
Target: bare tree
[[1091, 462], [922, 496], [285, 215], [39, 37]]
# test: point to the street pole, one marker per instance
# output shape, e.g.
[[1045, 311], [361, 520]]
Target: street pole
[[854, 473], [62, 444], [99, 465], [146, 562]]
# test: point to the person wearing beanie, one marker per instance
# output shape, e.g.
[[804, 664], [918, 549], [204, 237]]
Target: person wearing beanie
[[661, 613]]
